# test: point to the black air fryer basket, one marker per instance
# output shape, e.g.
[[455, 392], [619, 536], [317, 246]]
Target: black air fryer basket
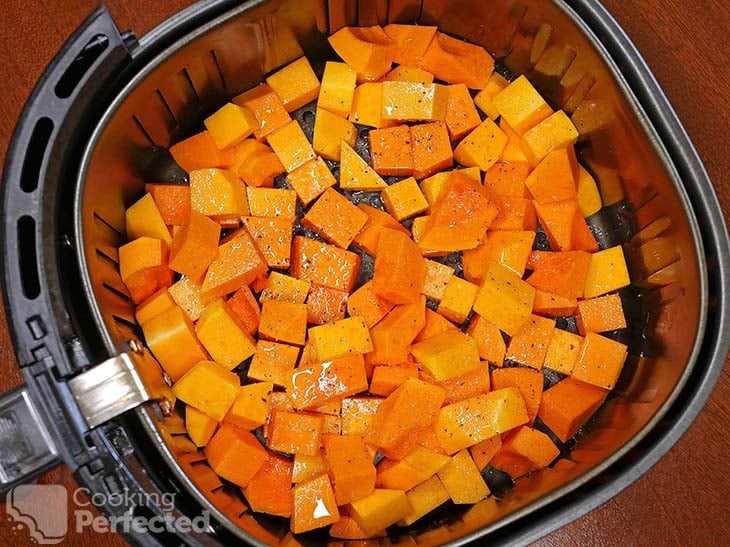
[[97, 127]]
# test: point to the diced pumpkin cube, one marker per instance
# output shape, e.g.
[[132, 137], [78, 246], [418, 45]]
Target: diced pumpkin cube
[[390, 151], [466, 423], [197, 152], [350, 466], [424, 498], [419, 465], [272, 202], [589, 198], [194, 246], [553, 179], [460, 218], [525, 450], [447, 354], [484, 98], [365, 109], [208, 387], [143, 218], [457, 62], [563, 351], [273, 362], [528, 382], [435, 324], [295, 433], [325, 305], [313, 385], [199, 425], [235, 454], [607, 272], [509, 248], [335, 218], [392, 336], [344, 337], [433, 186], [244, 306], [266, 107], [251, 407], [553, 305], [521, 105], [159, 302], [514, 214], [314, 505], [461, 115], [143, 267], [431, 149], [348, 528], [412, 101], [529, 344], [465, 386], [562, 273], [283, 322], [223, 336], [410, 42], [504, 299], [368, 50], [413, 74], [489, 339], [463, 480], [285, 288], [386, 378], [556, 131], [260, 168], [358, 414], [291, 146], [600, 361], [308, 467], [482, 147], [513, 150], [438, 277], [400, 417], [483, 452], [330, 131], [457, 299], [310, 180], [237, 263], [324, 264], [272, 236], [296, 84], [270, 489], [217, 193], [380, 509], [369, 236], [601, 314], [171, 337], [565, 226], [367, 305], [356, 174], [568, 405], [404, 199], [508, 179], [338, 88], [230, 124], [400, 270], [172, 200], [236, 155]]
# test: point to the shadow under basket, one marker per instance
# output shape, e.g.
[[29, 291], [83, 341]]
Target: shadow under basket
[[107, 108]]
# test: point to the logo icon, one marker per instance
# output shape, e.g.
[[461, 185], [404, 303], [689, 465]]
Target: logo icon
[[28, 504]]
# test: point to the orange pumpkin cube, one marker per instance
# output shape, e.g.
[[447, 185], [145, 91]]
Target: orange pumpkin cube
[[413, 101], [313, 385], [272, 237], [296, 84], [568, 405], [366, 304], [365, 109], [244, 306], [563, 351], [200, 426], [390, 151], [295, 433], [267, 108], [235, 454], [431, 149], [310, 180], [223, 336], [270, 489], [350, 466], [326, 265], [237, 263], [291, 146], [366, 49], [283, 322], [404, 199], [400, 270], [143, 267], [197, 152], [325, 305], [404, 73], [208, 387], [285, 288], [600, 361], [392, 336], [369, 235], [172, 200], [273, 362], [601, 314], [482, 147], [555, 132], [217, 193], [338, 88], [387, 378], [194, 246], [457, 62], [457, 300], [358, 414], [251, 407], [528, 381], [490, 343], [335, 218], [525, 450], [521, 105], [410, 42], [154, 305], [314, 505], [186, 294], [461, 114], [437, 279], [529, 344], [356, 174], [508, 179]]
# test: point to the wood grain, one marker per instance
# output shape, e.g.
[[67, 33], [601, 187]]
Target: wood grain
[[682, 499]]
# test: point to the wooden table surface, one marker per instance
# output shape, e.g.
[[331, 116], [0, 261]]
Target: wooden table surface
[[682, 500]]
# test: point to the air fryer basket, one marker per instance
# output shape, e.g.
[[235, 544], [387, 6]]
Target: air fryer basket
[[658, 203]]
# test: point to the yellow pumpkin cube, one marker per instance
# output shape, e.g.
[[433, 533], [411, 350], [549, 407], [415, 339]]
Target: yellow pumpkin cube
[[272, 202], [482, 147], [330, 130], [413, 74], [208, 387], [159, 302], [186, 293], [338, 88], [451, 353], [217, 192], [311, 179], [291, 146], [404, 199], [365, 109], [504, 299], [296, 84], [563, 351], [433, 186], [340, 338], [273, 362], [230, 124], [462, 479], [251, 407], [380, 509], [224, 336], [521, 105], [589, 198], [553, 133], [285, 288], [457, 300], [356, 174], [143, 218], [417, 466], [424, 498], [413, 101], [484, 98], [437, 278], [607, 272], [200, 426]]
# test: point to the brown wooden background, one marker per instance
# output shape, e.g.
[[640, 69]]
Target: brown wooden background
[[683, 500]]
